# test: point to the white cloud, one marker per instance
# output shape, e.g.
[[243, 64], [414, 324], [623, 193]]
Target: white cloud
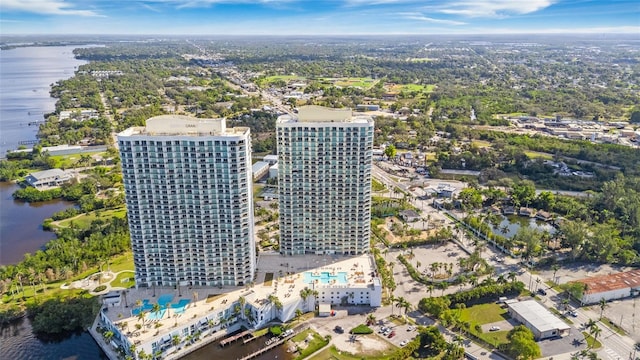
[[48, 7], [421, 17], [491, 9]]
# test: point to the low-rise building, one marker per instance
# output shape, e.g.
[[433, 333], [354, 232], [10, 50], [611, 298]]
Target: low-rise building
[[49, 178], [260, 169], [537, 318], [210, 313], [409, 215], [610, 287]]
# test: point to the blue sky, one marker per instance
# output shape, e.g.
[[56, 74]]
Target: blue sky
[[318, 17]]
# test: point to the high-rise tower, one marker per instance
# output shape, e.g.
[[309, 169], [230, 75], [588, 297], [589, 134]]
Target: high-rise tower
[[324, 181], [189, 201]]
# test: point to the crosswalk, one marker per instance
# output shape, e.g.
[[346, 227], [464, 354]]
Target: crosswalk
[[612, 354]]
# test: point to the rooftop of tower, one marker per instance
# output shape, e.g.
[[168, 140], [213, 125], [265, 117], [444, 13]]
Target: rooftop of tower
[[172, 125], [320, 114]]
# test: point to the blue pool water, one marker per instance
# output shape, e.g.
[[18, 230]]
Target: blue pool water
[[325, 277], [165, 299]]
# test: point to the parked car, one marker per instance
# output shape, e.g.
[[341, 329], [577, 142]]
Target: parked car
[[494, 328], [411, 328], [382, 330], [574, 313], [542, 291], [404, 342], [392, 334], [338, 329]]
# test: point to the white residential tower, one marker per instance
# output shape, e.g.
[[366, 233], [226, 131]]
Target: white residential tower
[[189, 202], [324, 181]]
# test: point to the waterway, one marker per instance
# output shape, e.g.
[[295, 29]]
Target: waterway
[[21, 224], [238, 350], [26, 75]]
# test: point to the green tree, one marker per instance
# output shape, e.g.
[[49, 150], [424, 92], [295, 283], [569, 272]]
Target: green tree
[[522, 344], [390, 151]]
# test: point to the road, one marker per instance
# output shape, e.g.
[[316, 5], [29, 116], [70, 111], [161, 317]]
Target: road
[[614, 345]]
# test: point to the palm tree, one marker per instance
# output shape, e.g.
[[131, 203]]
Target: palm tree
[[304, 294], [602, 304], [595, 332], [443, 286], [176, 340], [512, 276], [371, 319], [242, 301], [590, 324], [392, 299], [156, 310], [430, 289], [298, 313], [565, 303], [555, 268]]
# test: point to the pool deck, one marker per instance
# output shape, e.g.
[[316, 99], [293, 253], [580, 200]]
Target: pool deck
[[287, 282]]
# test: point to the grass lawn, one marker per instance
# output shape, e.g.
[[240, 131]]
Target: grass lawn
[[483, 314], [122, 262], [538, 155], [70, 160], [377, 185], [494, 338], [481, 143], [270, 79], [591, 342], [613, 326], [312, 346], [119, 281], [84, 221], [430, 156], [364, 83], [411, 88]]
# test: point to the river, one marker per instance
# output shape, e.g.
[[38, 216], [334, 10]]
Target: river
[[26, 75]]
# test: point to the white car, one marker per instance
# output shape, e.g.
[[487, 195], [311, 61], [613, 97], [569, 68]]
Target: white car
[[494, 328], [404, 342], [411, 328]]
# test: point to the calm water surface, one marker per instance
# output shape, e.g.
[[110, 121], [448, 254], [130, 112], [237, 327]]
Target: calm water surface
[[26, 74], [21, 224]]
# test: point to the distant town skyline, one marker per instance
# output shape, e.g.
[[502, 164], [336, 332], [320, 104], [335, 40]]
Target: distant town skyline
[[318, 17]]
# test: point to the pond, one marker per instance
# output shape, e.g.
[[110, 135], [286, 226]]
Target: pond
[[509, 225]]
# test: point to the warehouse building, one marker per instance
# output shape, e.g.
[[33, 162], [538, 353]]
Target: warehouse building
[[610, 287], [537, 318]]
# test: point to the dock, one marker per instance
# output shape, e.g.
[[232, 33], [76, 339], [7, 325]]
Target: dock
[[281, 341], [229, 340]]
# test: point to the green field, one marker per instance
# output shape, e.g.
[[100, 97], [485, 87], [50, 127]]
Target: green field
[[538, 155], [484, 314], [420, 60], [84, 221], [398, 88], [71, 160], [481, 143], [119, 280], [274, 78]]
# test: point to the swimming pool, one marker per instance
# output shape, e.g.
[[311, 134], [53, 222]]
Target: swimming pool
[[325, 277]]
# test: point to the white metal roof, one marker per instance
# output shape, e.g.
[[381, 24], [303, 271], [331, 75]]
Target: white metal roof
[[538, 316]]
